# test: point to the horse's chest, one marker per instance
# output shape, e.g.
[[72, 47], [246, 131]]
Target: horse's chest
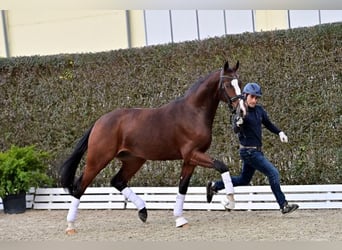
[[202, 140]]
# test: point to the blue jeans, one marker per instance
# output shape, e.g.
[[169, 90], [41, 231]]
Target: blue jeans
[[255, 160]]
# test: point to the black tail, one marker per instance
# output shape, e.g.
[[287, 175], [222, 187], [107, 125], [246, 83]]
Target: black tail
[[68, 169]]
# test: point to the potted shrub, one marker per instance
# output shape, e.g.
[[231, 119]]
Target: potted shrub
[[20, 169]]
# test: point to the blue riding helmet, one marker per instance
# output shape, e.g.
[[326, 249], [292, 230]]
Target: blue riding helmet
[[252, 88]]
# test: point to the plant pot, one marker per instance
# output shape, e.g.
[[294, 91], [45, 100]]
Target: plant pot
[[14, 203]]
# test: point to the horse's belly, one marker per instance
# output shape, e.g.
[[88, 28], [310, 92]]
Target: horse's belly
[[159, 153], [150, 149]]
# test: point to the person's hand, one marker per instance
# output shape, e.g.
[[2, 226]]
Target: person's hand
[[238, 121], [283, 137]]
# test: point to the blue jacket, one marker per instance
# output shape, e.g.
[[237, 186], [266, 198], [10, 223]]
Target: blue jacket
[[250, 132]]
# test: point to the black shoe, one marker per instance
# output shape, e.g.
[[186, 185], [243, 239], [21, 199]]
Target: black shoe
[[289, 208], [210, 191]]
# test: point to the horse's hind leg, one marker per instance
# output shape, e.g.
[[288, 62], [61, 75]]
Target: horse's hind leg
[[120, 180], [93, 166]]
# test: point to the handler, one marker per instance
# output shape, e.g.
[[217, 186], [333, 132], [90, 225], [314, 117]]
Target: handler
[[249, 130]]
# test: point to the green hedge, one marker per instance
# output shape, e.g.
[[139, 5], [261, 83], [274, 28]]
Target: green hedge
[[50, 101]]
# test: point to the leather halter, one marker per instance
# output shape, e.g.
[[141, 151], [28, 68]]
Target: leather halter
[[229, 99]]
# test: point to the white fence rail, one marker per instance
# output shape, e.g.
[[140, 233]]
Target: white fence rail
[[247, 198]]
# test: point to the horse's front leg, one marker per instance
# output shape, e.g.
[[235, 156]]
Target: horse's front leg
[[205, 160], [187, 171]]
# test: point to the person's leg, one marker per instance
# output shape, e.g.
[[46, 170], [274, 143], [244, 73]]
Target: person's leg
[[262, 164], [245, 176], [213, 187]]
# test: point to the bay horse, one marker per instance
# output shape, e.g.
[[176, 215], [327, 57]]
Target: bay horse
[[179, 130]]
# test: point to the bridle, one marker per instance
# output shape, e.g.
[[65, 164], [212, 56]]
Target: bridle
[[229, 100]]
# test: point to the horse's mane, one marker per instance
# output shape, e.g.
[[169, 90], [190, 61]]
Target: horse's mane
[[196, 85]]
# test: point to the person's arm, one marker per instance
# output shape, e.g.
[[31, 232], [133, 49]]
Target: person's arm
[[268, 124], [273, 128]]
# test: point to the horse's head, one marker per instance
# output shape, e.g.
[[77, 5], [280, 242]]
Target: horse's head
[[230, 88]]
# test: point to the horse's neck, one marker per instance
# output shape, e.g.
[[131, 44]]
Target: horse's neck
[[206, 96]]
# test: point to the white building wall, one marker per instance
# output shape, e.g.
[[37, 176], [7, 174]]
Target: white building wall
[[211, 23], [331, 16], [157, 27], [303, 18], [44, 32], [239, 21], [54, 32], [184, 25]]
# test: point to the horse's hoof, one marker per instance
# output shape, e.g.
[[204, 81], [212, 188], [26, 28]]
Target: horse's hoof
[[228, 202], [70, 231], [185, 226], [143, 214], [182, 222]]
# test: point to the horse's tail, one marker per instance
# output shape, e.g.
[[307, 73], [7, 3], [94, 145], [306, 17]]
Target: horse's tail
[[68, 169]]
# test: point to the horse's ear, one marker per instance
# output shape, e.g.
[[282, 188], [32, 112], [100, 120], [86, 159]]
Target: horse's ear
[[226, 66], [236, 66]]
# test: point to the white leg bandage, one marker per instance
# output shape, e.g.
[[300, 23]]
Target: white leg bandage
[[72, 214], [135, 199], [178, 209], [227, 180]]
